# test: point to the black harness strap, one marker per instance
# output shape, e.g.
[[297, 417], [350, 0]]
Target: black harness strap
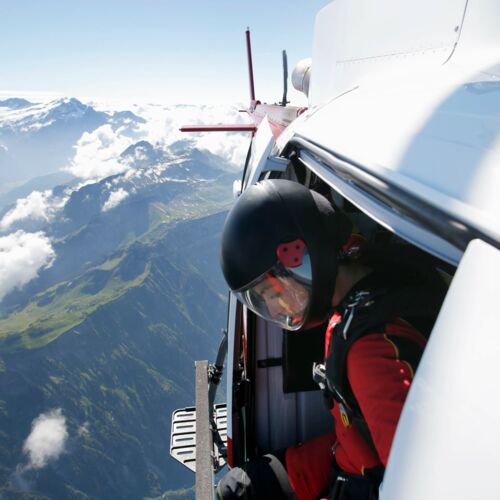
[[282, 476], [376, 300]]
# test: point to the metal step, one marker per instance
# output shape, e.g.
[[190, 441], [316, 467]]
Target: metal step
[[183, 436]]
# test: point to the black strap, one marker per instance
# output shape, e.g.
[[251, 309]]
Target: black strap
[[345, 486], [366, 310], [374, 301], [269, 362], [282, 476]]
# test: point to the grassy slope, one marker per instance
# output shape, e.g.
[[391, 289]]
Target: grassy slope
[[66, 304], [37, 325], [128, 329], [121, 371]]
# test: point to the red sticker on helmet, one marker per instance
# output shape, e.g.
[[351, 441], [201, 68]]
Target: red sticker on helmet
[[290, 254]]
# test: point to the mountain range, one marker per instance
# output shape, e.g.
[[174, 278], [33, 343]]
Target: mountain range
[[98, 337], [39, 138]]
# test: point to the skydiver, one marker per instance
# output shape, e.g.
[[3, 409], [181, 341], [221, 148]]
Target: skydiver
[[290, 257]]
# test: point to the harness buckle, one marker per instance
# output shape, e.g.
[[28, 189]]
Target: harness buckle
[[355, 301], [344, 415], [319, 375]]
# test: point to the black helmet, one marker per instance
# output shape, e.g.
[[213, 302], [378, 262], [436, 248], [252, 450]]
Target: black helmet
[[279, 252]]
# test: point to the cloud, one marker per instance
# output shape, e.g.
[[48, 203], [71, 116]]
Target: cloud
[[115, 198], [38, 205], [98, 153], [232, 147], [35, 206], [47, 439], [22, 255], [163, 123]]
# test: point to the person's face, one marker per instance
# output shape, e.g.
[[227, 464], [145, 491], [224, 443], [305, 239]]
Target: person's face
[[283, 296]]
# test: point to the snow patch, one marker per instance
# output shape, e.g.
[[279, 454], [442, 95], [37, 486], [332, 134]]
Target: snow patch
[[84, 429]]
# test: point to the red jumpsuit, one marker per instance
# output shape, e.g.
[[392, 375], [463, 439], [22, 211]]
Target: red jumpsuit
[[380, 381]]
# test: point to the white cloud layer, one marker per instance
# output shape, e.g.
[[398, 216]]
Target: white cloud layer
[[38, 205], [163, 123], [35, 206], [22, 255], [98, 153], [47, 439], [233, 147], [115, 198]]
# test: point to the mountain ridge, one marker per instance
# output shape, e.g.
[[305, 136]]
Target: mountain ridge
[[169, 291], [102, 336]]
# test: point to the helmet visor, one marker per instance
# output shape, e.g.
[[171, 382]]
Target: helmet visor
[[281, 295]]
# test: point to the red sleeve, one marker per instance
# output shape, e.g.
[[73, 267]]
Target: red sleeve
[[380, 382]]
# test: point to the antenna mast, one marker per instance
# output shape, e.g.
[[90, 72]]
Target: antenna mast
[[284, 102], [250, 66]]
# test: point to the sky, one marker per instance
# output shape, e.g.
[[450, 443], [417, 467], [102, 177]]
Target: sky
[[162, 51]]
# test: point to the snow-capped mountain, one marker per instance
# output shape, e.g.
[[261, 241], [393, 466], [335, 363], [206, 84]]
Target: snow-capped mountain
[[143, 153], [37, 139], [121, 160], [15, 103], [83, 221], [110, 288], [21, 117]]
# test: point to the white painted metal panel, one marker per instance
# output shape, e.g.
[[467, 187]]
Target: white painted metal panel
[[275, 412], [435, 134], [261, 146], [231, 360], [429, 126], [479, 34], [283, 419], [359, 38], [448, 438]]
